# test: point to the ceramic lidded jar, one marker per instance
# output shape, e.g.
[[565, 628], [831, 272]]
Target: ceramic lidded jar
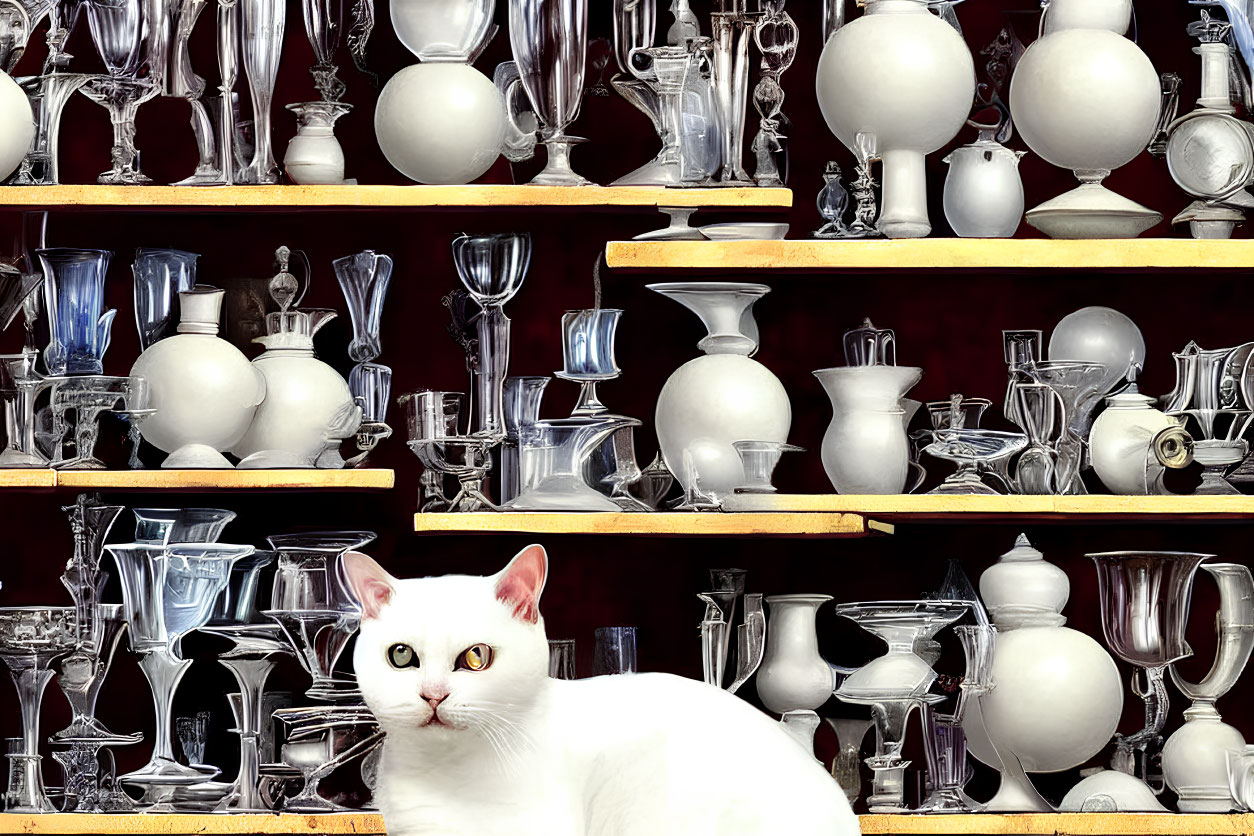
[[204, 390], [902, 75], [1057, 696], [983, 195], [1132, 443], [308, 409]]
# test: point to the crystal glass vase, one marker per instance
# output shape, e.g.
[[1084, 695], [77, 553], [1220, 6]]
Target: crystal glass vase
[[492, 268], [552, 455], [311, 604], [523, 396], [169, 591], [261, 38], [364, 278], [324, 25], [846, 766], [1145, 607], [160, 276], [31, 638], [118, 29], [74, 297], [550, 44]]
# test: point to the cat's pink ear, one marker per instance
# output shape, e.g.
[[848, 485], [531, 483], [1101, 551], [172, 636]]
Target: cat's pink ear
[[518, 586], [371, 584]]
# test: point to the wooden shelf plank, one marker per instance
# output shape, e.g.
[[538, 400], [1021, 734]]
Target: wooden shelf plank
[[28, 477], [280, 198], [166, 824], [371, 824], [349, 479], [1062, 824], [923, 253], [662, 525], [967, 507]]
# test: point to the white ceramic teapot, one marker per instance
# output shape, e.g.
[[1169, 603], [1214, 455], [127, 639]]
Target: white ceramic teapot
[[204, 390], [983, 195], [308, 409], [1132, 444]]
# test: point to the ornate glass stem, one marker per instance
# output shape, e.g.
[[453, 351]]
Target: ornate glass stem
[[31, 676], [164, 671], [250, 675], [494, 330]]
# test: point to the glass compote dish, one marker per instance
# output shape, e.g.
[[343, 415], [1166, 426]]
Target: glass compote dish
[[975, 452], [310, 603], [758, 459], [492, 268], [31, 639], [169, 591], [256, 645], [894, 684], [86, 398], [553, 454], [117, 29], [1145, 607], [1080, 388], [550, 44]]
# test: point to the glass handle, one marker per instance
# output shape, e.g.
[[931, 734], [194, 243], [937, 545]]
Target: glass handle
[[522, 123], [304, 279], [920, 473], [104, 330]]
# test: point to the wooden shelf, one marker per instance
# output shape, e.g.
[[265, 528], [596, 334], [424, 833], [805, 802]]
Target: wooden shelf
[[210, 480], [659, 525], [303, 198], [371, 824], [27, 477], [1062, 824], [923, 253], [928, 506]]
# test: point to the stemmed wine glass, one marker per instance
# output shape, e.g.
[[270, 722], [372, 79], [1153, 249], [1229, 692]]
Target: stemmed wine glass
[[117, 29], [261, 37], [550, 43]]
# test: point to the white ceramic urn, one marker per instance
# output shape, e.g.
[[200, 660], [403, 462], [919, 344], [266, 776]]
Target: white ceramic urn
[[793, 676], [204, 390], [17, 125], [1057, 695], [983, 195], [722, 397], [866, 449], [902, 75], [1132, 444], [308, 409], [314, 156]]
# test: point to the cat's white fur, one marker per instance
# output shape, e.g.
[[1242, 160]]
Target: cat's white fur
[[525, 755]]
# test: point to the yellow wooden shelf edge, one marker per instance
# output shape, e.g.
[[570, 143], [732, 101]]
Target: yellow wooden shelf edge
[[930, 505], [310, 479], [923, 253], [366, 197], [662, 524], [371, 824]]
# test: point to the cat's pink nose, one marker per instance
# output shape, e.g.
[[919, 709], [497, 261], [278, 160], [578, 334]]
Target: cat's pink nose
[[435, 701]]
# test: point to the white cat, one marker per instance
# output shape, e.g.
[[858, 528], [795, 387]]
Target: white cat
[[481, 742]]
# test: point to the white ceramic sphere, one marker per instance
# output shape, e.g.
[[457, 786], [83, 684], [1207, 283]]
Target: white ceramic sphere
[[1056, 701], [906, 77], [1195, 758], [1102, 790], [711, 402], [440, 124], [1098, 334], [307, 405], [1085, 99], [203, 389], [17, 125]]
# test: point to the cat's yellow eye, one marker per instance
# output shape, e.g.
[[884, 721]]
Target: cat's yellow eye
[[476, 658], [402, 656]]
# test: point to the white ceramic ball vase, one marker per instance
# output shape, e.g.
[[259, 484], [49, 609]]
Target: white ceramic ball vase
[[1056, 701], [711, 402], [793, 675], [17, 125], [902, 74], [204, 390], [440, 123], [1195, 763], [983, 195]]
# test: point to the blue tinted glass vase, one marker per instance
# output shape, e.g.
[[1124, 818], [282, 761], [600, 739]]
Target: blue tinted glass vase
[[74, 295]]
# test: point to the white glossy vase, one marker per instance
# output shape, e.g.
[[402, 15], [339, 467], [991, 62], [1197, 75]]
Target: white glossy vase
[[1086, 98], [204, 390], [314, 156], [1132, 444], [308, 409], [722, 397], [906, 77], [1195, 757], [983, 195], [1057, 695], [793, 676], [866, 449]]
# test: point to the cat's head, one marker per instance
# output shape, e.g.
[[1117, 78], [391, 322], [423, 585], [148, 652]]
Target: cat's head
[[446, 656]]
